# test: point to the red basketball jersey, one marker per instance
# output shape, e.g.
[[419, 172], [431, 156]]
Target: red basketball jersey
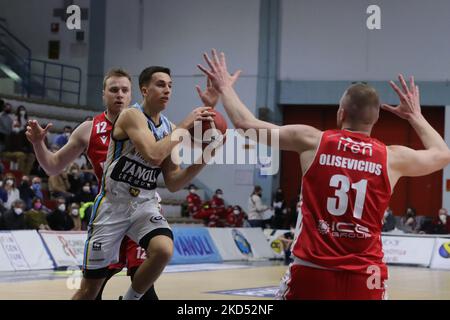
[[345, 192], [98, 143]]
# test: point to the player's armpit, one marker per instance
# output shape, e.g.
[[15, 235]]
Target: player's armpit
[[404, 161], [299, 137]]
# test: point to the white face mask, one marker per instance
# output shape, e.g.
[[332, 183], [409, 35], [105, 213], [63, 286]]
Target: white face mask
[[236, 212], [62, 207], [22, 112], [443, 218], [1, 184], [18, 211], [9, 182], [192, 191], [86, 189], [219, 196], [75, 212]]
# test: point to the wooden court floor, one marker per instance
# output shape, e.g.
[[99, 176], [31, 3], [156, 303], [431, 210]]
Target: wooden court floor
[[406, 283]]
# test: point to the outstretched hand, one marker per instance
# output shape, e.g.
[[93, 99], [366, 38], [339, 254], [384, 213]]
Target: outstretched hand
[[409, 99], [35, 133], [210, 96], [218, 73]]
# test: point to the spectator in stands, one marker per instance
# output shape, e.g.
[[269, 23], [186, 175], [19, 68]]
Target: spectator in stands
[[26, 192], [280, 211], [37, 187], [75, 179], [88, 173], [218, 205], [36, 217], [441, 224], [59, 186], [256, 209], [287, 239], [235, 217], [94, 187], [75, 215], [389, 221], [21, 118], [61, 139], [3, 193], [85, 195], [11, 190], [59, 219], [408, 223], [193, 200], [18, 149], [13, 219], [85, 214], [6, 124]]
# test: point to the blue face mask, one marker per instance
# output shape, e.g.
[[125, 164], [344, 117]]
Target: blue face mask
[[36, 186]]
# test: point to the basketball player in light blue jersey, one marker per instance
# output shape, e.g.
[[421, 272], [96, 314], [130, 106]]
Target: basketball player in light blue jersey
[[127, 205]]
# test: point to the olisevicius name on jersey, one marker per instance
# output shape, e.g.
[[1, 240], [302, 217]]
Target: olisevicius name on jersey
[[348, 163]]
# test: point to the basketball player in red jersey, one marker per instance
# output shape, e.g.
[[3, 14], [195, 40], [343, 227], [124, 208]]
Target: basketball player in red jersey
[[348, 179]]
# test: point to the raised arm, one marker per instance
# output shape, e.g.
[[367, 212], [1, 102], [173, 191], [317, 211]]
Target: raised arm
[[292, 137], [404, 161], [54, 163], [133, 125]]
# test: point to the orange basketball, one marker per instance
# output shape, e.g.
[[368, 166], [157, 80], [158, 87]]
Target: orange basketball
[[218, 128]]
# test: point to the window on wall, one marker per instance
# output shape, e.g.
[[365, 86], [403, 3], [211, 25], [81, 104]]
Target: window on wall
[[53, 49]]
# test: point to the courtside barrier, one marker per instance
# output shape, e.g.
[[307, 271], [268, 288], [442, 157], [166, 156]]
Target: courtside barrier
[[23, 250], [416, 250], [32, 250], [241, 243], [194, 245], [66, 247], [441, 254]]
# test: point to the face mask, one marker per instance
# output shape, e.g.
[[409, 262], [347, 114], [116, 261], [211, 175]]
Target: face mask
[[236, 212], [9, 182], [36, 186], [219, 196], [62, 207], [192, 191], [16, 130], [1, 184], [18, 211], [22, 112], [37, 205], [443, 218], [86, 189], [67, 134], [74, 212]]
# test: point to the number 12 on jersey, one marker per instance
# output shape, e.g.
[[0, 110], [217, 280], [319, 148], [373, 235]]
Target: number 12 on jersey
[[338, 205]]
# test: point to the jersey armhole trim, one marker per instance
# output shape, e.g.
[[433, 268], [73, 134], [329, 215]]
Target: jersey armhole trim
[[388, 176], [315, 154], [89, 140], [112, 133]]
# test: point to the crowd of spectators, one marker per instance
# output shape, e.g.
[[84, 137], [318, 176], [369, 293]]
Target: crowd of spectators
[[29, 199]]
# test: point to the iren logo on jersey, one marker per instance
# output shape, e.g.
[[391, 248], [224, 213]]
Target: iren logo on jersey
[[343, 230], [348, 144]]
